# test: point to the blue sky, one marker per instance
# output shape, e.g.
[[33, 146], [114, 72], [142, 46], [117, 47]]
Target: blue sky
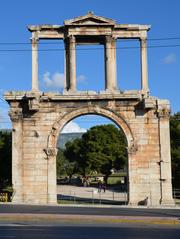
[[163, 62]]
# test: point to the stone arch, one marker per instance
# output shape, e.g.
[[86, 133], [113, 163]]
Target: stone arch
[[115, 117], [37, 123]]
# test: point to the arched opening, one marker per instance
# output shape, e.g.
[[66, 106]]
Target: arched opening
[[92, 161], [66, 117]]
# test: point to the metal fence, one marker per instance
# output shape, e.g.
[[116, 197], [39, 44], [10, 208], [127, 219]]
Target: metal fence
[[89, 195], [176, 193], [4, 197]]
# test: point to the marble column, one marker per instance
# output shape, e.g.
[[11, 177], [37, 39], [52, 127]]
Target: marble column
[[165, 158], [35, 64], [114, 73], [144, 67], [51, 179], [110, 63], [72, 63], [66, 67], [17, 154]]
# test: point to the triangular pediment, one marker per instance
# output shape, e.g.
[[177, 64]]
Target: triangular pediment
[[89, 19]]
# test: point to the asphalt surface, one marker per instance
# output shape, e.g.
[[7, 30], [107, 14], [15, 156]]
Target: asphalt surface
[[74, 210], [88, 232], [70, 222]]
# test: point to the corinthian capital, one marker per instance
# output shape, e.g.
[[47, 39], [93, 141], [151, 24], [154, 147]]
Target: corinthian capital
[[50, 152], [16, 114], [163, 113], [132, 148]]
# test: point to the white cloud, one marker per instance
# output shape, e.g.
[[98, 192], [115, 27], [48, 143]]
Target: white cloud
[[169, 59], [72, 127], [55, 80]]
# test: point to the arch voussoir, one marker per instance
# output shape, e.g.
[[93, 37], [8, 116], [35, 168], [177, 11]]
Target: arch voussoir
[[116, 118]]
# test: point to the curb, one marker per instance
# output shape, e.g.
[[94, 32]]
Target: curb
[[85, 219], [176, 207]]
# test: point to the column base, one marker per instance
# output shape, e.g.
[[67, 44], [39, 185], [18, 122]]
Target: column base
[[145, 93], [168, 202], [17, 199], [52, 199], [110, 91], [34, 90], [69, 91], [76, 92]]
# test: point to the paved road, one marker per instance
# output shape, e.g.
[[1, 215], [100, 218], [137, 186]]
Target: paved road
[[84, 229], [113, 211], [88, 232]]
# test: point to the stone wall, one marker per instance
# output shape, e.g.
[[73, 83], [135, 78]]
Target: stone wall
[[39, 118]]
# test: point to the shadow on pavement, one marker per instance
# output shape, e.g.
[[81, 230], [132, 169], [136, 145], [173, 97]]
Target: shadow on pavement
[[71, 199]]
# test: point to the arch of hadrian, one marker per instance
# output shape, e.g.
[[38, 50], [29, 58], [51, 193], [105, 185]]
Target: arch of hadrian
[[38, 117]]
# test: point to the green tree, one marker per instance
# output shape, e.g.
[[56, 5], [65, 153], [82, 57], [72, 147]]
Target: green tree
[[100, 149], [64, 166], [175, 148], [5, 158], [75, 152]]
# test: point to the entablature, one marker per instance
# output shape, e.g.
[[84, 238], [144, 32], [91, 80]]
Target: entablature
[[81, 95], [89, 25]]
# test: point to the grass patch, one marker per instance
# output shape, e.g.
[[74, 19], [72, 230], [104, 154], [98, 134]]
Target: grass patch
[[116, 179]]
